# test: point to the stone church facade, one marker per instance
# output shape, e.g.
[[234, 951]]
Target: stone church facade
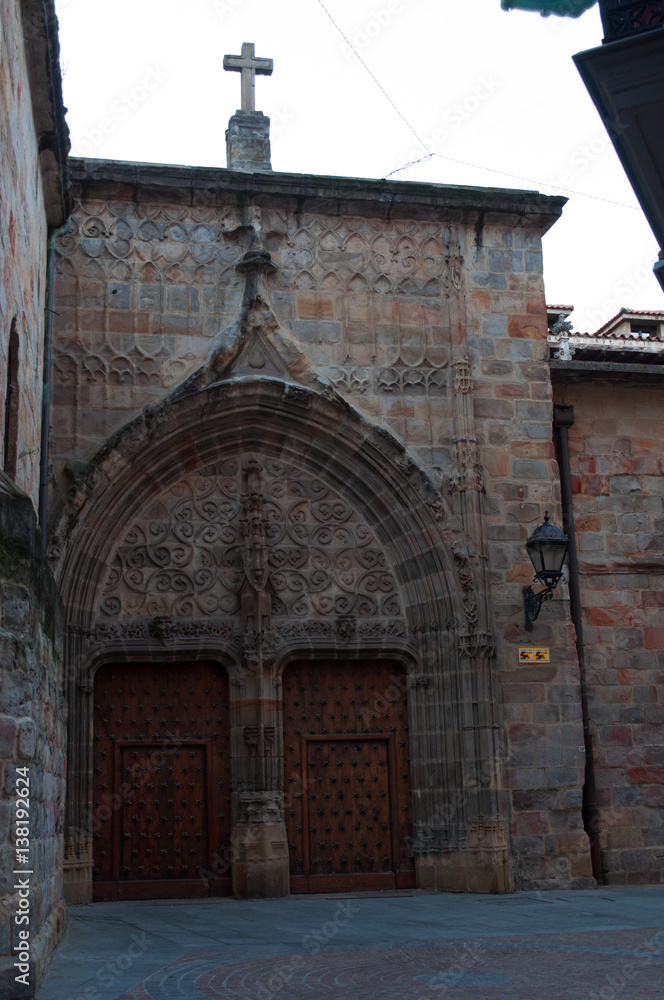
[[307, 421]]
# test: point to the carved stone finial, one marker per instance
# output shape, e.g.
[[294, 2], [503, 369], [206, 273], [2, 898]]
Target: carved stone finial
[[563, 330]]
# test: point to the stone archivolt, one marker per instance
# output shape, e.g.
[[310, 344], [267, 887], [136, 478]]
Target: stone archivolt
[[186, 554]]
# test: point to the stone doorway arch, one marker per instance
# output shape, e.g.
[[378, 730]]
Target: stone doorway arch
[[301, 457]]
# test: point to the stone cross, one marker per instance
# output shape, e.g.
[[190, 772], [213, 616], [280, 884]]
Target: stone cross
[[248, 64]]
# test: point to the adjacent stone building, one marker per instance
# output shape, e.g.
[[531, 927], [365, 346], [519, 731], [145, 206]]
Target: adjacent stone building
[[34, 203], [610, 393]]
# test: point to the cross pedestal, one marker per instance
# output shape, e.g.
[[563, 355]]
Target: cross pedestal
[[248, 142]]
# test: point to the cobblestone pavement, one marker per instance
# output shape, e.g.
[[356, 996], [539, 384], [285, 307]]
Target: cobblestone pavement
[[603, 945]]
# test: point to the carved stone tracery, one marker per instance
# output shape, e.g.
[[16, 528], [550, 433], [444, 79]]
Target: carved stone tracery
[[268, 527]]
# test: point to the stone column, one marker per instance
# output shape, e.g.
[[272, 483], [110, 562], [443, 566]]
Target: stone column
[[483, 863], [78, 859], [259, 842]]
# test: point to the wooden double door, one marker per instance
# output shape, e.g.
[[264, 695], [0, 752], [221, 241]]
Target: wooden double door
[[347, 776], [161, 781]]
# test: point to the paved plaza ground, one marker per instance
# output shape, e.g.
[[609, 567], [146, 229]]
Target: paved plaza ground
[[602, 945]]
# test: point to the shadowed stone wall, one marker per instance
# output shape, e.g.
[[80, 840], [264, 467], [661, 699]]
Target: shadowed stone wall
[[23, 238], [33, 714], [33, 198]]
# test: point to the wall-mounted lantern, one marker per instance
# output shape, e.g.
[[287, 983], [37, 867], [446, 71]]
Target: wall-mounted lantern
[[547, 548]]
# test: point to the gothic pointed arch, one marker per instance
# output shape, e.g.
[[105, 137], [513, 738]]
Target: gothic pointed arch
[[308, 443]]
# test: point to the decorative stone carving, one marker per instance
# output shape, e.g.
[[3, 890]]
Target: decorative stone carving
[[262, 808], [463, 378], [251, 737], [258, 649], [474, 644], [468, 474], [453, 264], [189, 551], [159, 628], [470, 609], [350, 379], [181, 242], [297, 395], [346, 628], [424, 628], [425, 377], [259, 739], [330, 629], [563, 330], [398, 379]]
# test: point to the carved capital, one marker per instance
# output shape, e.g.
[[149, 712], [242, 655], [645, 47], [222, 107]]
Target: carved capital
[[260, 739], [262, 808], [419, 681], [346, 628], [252, 735]]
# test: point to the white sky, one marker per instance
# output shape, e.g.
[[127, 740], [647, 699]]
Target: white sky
[[143, 80]]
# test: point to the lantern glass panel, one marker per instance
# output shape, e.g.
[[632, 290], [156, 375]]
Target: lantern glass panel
[[553, 556]]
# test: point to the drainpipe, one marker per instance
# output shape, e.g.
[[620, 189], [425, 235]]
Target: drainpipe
[[46, 387], [563, 419]]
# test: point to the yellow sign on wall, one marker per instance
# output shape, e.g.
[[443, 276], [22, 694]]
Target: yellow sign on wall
[[529, 654]]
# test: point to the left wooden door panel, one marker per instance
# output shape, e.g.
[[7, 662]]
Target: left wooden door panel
[[161, 782]]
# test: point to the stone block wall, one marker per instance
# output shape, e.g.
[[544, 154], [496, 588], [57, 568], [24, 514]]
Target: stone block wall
[[542, 728], [23, 238], [618, 486], [32, 736]]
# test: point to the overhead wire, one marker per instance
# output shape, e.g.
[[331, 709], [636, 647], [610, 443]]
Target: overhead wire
[[377, 82], [476, 166]]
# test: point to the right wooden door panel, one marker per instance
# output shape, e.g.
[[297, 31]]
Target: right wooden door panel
[[347, 776]]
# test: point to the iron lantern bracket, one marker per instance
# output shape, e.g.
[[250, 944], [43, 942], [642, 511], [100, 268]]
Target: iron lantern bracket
[[532, 602]]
